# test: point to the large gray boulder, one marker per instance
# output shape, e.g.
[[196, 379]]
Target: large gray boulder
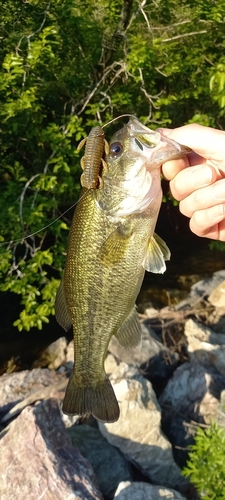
[[138, 433], [191, 397], [38, 461], [205, 346], [109, 465], [145, 491], [17, 386], [18, 390], [217, 296]]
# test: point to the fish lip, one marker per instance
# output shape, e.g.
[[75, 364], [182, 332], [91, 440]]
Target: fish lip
[[161, 148], [157, 141], [167, 150], [173, 149], [142, 133]]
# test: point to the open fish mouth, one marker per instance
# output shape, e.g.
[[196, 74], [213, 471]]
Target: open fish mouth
[[161, 148]]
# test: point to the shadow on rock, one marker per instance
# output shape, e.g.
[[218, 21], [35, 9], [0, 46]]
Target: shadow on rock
[[190, 399]]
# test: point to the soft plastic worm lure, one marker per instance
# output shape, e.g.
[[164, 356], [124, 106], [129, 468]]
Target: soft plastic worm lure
[[92, 162]]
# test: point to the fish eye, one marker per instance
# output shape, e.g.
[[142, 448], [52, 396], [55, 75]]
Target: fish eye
[[116, 148]]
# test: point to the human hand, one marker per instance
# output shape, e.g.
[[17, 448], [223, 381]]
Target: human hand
[[197, 180]]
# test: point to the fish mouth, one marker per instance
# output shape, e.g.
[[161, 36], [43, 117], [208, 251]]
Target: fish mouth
[[170, 149], [160, 148]]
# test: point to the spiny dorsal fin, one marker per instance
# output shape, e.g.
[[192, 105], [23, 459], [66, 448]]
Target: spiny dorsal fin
[[157, 253], [129, 334], [61, 309]]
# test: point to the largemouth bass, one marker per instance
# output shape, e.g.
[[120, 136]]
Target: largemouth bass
[[111, 244]]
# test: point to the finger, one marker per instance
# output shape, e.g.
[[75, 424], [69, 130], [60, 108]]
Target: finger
[[209, 223], [206, 141], [172, 167], [189, 180], [204, 198]]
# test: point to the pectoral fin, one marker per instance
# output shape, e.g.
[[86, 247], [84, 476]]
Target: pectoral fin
[[156, 255], [129, 334], [114, 248], [61, 309]]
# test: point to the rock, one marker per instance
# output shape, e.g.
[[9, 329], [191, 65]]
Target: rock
[[190, 392], [54, 390], [190, 397], [15, 387], [70, 352], [137, 433], [101, 455], [221, 410], [147, 348], [69, 420], [203, 333], [110, 364], [39, 461], [151, 312], [53, 356], [217, 297], [206, 286], [144, 491], [217, 320], [154, 359], [205, 346]]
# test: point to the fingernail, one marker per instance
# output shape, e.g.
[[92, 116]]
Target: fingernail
[[219, 190], [202, 176]]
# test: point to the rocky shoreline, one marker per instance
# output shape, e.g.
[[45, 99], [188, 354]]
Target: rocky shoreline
[[168, 386]]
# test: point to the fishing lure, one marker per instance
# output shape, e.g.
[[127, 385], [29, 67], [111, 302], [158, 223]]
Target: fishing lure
[[92, 162]]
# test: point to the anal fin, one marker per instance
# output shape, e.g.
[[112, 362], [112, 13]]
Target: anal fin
[[61, 309], [129, 334]]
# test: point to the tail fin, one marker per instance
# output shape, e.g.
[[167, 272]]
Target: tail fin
[[100, 400]]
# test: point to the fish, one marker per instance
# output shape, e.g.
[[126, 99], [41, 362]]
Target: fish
[[112, 243]]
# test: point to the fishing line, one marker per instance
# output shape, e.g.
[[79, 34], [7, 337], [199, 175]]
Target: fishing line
[[45, 227], [117, 118]]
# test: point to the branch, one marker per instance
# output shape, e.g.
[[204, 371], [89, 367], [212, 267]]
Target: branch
[[146, 19], [118, 35], [89, 97], [183, 35], [35, 32], [22, 198], [186, 21]]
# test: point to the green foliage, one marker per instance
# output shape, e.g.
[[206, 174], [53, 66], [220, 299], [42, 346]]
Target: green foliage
[[66, 66], [217, 83], [206, 467], [217, 245]]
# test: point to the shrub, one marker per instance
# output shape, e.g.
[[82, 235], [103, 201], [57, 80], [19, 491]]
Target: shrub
[[206, 464]]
